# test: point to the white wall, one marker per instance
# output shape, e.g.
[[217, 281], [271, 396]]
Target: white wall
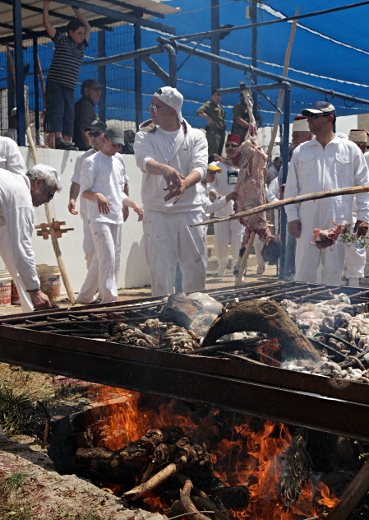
[[133, 271]]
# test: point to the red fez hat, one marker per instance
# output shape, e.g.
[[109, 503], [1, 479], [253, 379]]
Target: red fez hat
[[234, 138]]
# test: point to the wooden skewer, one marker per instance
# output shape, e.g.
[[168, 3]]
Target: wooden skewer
[[285, 202]]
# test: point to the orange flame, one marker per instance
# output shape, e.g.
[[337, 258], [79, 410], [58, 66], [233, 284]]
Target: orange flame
[[266, 351], [248, 457]]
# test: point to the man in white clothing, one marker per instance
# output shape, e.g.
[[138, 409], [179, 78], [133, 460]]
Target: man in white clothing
[[173, 159], [18, 195], [325, 163], [96, 133], [230, 232], [11, 159], [102, 184]]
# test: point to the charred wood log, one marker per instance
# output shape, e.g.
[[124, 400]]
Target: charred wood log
[[264, 316], [181, 310], [188, 505]]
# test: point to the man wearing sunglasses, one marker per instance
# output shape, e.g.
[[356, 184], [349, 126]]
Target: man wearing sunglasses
[[18, 195], [95, 132], [325, 163], [173, 158], [230, 232]]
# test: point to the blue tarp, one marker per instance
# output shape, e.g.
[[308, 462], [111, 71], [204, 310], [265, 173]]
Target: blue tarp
[[330, 51]]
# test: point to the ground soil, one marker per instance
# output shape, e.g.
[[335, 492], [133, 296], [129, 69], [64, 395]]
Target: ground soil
[[50, 495]]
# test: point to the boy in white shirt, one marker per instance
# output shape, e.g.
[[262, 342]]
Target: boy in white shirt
[[102, 184]]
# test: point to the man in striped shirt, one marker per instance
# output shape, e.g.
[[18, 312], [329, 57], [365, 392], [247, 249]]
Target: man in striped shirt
[[62, 77]]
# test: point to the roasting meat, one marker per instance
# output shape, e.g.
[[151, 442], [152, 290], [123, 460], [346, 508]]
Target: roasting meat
[[326, 238], [250, 186]]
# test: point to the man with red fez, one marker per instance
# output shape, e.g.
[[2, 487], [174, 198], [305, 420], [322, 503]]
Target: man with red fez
[[230, 232]]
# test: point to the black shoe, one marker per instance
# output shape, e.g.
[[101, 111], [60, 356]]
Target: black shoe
[[60, 144]]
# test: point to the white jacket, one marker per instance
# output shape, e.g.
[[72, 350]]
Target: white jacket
[[314, 168], [10, 156], [191, 154], [17, 214]]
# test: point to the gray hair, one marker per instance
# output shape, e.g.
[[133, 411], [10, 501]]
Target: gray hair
[[49, 181]]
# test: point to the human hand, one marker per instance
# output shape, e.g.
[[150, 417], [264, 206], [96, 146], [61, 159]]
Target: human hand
[[281, 191], [125, 213], [294, 228], [210, 121], [137, 209], [103, 203], [231, 196], [222, 159], [361, 228], [175, 181], [40, 300], [72, 207]]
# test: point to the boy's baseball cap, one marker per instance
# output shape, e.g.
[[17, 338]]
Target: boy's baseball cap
[[115, 134], [171, 97], [91, 83], [320, 107], [97, 126], [214, 168]]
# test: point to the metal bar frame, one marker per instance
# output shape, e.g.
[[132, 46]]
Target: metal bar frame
[[266, 392]]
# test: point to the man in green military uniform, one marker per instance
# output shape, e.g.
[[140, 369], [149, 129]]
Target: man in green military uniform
[[214, 113], [240, 119]]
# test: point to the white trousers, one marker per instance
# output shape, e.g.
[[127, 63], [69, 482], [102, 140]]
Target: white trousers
[[309, 257], [225, 233], [169, 240], [88, 242], [355, 260], [7, 256], [104, 269]]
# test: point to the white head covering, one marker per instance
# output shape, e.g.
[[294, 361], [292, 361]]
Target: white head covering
[[48, 170], [300, 124], [171, 97]]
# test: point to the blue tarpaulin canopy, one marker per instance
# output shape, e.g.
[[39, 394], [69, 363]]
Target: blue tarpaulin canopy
[[330, 51]]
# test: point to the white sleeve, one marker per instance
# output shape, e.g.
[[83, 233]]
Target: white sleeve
[[292, 189], [14, 160], [19, 222], [87, 175], [143, 149], [212, 207], [361, 175], [77, 170], [199, 154]]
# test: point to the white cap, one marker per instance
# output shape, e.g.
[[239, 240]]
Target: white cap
[[300, 124], [171, 97], [48, 170]]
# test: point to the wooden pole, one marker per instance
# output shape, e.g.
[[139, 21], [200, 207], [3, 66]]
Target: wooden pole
[[245, 256], [281, 92], [285, 202], [54, 239], [352, 495]]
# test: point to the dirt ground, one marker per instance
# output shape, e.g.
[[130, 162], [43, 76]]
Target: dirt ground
[[44, 492]]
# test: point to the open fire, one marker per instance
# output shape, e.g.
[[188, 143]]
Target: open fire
[[244, 451]]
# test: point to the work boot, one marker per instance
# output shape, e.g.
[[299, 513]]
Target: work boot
[[60, 144]]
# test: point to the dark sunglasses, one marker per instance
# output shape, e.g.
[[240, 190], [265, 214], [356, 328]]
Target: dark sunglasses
[[94, 134], [229, 145], [315, 116]]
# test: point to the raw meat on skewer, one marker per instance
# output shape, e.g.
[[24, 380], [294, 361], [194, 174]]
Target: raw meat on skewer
[[326, 238], [250, 189]]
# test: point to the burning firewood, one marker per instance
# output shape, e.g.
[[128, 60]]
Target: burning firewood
[[264, 316], [296, 465]]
